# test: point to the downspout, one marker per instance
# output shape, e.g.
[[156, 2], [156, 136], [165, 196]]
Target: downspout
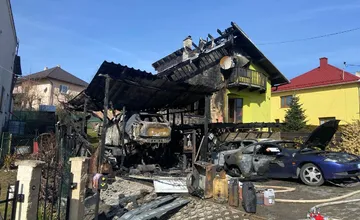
[[51, 97]]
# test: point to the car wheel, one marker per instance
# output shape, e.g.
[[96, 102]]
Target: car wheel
[[234, 171], [311, 175]]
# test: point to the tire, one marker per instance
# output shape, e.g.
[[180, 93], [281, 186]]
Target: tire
[[234, 171], [311, 175]]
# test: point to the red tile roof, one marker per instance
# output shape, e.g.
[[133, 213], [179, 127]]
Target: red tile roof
[[324, 75]]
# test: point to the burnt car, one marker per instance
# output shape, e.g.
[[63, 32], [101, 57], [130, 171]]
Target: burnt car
[[230, 147], [141, 128], [143, 135], [309, 161]]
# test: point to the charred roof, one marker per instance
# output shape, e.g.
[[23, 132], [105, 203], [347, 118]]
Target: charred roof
[[137, 90], [207, 53]]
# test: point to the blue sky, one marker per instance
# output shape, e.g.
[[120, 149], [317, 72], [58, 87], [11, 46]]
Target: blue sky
[[80, 34]]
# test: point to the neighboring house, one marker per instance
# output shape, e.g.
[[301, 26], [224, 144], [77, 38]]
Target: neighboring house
[[232, 64], [46, 88], [326, 92], [9, 61]]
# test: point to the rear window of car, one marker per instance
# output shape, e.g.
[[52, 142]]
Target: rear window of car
[[152, 118]]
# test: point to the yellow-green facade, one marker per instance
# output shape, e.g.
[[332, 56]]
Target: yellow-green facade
[[338, 101], [256, 105]]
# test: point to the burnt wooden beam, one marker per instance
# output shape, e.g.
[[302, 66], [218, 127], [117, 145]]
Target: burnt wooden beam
[[204, 147], [105, 121], [195, 46], [123, 124]]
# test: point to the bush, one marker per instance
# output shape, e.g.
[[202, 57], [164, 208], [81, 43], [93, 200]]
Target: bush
[[350, 138]]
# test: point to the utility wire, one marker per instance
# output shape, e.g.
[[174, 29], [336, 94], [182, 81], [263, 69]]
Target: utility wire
[[311, 38], [357, 65]]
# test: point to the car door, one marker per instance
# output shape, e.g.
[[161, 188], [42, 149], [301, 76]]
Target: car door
[[263, 155], [281, 167], [246, 162]]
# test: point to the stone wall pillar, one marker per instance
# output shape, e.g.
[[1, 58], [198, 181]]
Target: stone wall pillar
[[79, 172], [29, 177]]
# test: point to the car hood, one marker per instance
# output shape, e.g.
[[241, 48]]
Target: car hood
[[322, 135]]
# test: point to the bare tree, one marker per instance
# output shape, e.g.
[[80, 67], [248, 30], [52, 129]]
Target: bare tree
[[27, 95]]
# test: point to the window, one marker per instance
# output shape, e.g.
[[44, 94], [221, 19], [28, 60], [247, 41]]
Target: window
[[286, 101], [2, 98], [323, 120], [63, 89], [235, 110], [250, 149], [277, 120]]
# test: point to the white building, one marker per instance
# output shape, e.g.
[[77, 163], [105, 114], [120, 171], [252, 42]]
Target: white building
[[9, 61]]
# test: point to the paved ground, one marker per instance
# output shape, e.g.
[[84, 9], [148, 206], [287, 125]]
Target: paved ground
[[206, 210], [299, 211]]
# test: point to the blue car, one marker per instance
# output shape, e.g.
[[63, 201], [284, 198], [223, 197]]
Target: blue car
[[309, 161]]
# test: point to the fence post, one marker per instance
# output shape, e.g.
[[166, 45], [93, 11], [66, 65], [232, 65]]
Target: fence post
[[79, 171], [29, 177]]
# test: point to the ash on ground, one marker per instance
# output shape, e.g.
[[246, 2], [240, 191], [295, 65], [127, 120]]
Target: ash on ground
[[121, 196]]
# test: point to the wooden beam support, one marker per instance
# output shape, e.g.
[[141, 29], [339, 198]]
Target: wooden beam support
[[105, 121]]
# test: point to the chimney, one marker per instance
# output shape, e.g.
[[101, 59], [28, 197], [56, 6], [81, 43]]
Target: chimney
[[187, 42], [357, 73], [323, 62], [45, 68]]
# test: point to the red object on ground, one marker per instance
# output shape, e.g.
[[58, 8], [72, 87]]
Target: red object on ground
[[36, 147]]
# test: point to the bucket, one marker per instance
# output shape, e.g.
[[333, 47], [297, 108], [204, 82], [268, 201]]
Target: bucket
[[269, 197]]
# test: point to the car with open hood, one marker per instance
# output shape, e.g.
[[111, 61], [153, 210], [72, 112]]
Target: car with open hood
[[308, 161]]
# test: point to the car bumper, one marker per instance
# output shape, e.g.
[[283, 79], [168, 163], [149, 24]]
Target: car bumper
[[348, 174], [342, 171]]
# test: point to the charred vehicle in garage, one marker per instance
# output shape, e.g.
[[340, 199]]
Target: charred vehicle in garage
[[310, 162], [136, 133]]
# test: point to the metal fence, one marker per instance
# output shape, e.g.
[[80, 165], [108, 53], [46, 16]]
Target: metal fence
[[12, 197], [56, 176]]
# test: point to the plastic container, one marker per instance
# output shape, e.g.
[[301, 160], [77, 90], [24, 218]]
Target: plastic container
[[220, 189], [269, 197], [234, 192], [260, 198]]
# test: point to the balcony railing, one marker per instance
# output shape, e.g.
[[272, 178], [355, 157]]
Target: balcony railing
[[246, 78]]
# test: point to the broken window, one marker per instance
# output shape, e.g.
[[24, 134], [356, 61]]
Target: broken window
[[235, 110], [286, 101], [268, 149]]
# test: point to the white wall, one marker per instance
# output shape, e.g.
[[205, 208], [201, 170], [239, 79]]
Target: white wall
[[8, 43]]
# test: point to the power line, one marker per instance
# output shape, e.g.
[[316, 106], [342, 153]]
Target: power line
[[357, 65], [312, 38]]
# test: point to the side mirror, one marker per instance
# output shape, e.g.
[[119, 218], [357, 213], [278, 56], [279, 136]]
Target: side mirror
[[280, 154]]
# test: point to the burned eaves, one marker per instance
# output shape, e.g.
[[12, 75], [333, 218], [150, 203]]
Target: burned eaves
[[186, 62], [138, 90]]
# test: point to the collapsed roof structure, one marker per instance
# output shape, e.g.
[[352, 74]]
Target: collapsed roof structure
[[137, 91]]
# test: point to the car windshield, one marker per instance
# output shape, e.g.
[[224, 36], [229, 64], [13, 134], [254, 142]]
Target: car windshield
[[152, 118]]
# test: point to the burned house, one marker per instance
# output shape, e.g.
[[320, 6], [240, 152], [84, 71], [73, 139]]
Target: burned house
[[233, 65]]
